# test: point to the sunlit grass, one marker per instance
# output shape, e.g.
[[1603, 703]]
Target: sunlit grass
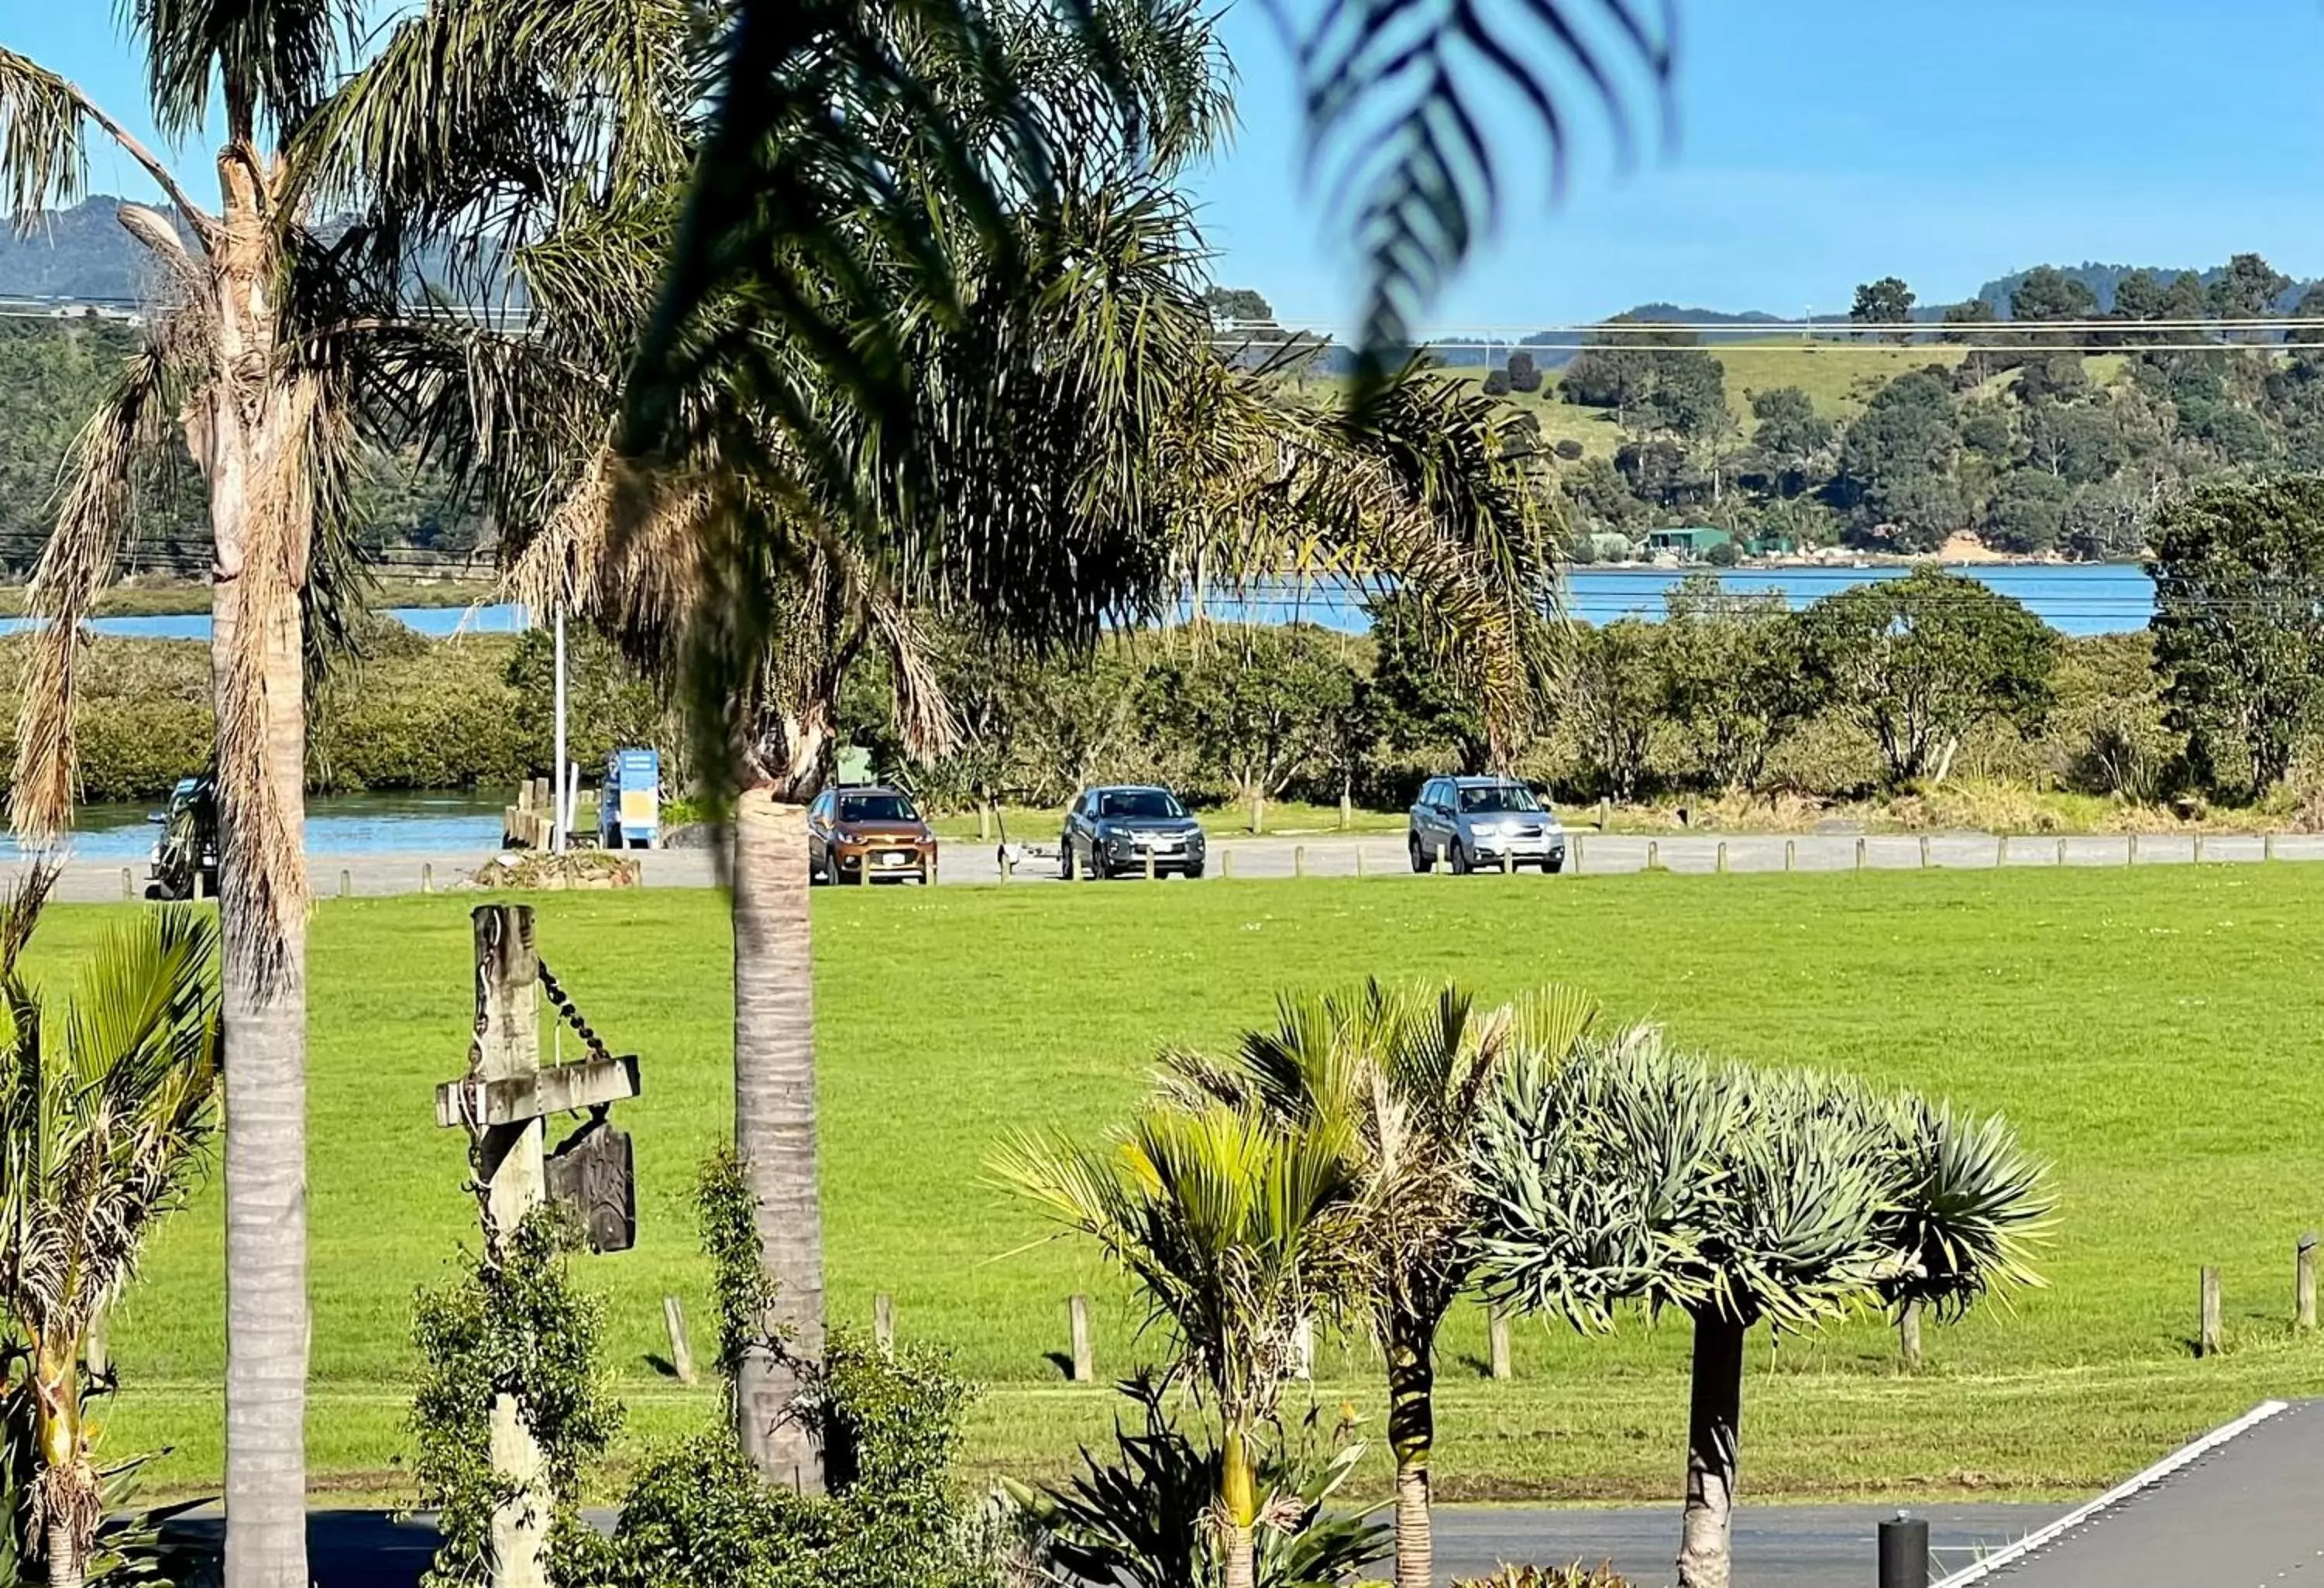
[[2151, 1033]]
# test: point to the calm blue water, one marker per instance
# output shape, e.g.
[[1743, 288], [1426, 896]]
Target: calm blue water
[[336, 824], [436, 622], [2078, 598]]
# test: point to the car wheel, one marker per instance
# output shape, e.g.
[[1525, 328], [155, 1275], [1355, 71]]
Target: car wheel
[[818, 872], [1460, 859], [1550, 868], [1065, 861], [1420, 861], [1100, 870]]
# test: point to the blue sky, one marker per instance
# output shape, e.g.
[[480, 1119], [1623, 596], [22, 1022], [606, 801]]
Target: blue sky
[[1820, 142]]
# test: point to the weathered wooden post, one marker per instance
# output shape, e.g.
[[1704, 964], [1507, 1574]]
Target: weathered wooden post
[[1509, 864], [128, 885], [1719, 860], [1924, 851], [346, 883], [2061, 852], [1149, 865], [2199, 849], [2207, 1338], [1859, 855], [1360, 859], [2304, 1283], [1084, 1368], [1791, 854], [427, 876], [1573, 856], [1226, 865], [883, 1321], [1299, 860], [504, 1102], [1908, 1335], [1496, 1336], [1605, 814], [1653, 855], [2000, 852], [681, 1349], [2267, 846], [2130, 850]]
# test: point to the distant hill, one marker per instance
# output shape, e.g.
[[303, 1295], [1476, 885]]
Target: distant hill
[[77, 252], [2102, 279]]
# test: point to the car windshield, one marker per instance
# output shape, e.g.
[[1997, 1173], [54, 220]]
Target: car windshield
[[1499, 797], [1135, 804], [876, 807]]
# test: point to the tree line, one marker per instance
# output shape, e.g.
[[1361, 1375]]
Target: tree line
[[2023, 438]]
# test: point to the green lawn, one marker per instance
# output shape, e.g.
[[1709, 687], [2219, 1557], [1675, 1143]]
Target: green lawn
[[2154, 1033]]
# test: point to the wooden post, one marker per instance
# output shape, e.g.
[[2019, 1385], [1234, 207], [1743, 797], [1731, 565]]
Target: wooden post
[[1653, 855], [1498, 1349], [1007, 865], [681, 1349], [2130, 850], [1149, 865], [1924, 851], [2199, 849], [508, 1159], [1226, 864], [1908, 1335], [2061, 852], [427, 876], [1859, 855], [1084, 1370], [1605, 814], [1719, 861], [1360, 859], [1299, 860], [2304, 1283], [883, 1321], [2207, 1338], [346, 883], [128, 885], [1509, 864], [2267, 846], [2001, 853], [1574, 853], [1791, 854]]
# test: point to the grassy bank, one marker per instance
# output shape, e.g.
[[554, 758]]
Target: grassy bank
[[2149, 1032], [180, 599]]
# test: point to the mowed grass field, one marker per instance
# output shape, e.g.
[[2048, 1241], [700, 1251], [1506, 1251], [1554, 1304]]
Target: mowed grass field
[[2154, 1034]]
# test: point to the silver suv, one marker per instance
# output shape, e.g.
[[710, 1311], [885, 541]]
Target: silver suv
[[1472, 823]]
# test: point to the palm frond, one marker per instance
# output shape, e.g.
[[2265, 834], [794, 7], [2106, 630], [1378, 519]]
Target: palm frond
[[1395, 98], [268, 62], [43, 145], [98, 499]]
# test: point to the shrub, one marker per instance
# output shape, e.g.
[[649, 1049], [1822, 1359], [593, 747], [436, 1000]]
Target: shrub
[[1524, 375], [1569, 449], [1572, 1576], [1497, 383]]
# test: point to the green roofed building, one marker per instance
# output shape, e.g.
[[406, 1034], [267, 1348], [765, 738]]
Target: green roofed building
[[1690, 545]]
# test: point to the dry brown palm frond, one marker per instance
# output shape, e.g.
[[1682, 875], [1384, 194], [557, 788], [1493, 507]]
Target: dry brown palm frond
[[97, 501]]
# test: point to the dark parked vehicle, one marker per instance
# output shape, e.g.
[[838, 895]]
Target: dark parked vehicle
[[868, 835], [1115, 831], [1472, 823], [185, 860]]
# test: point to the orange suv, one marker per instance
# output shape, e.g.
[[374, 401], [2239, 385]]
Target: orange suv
[[868, 835]]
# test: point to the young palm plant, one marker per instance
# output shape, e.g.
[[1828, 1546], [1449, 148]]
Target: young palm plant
[[1236, 1230], [107, 1104], [1638, 1175], [1403, 1076]]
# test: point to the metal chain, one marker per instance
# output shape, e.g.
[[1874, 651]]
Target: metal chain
[[571, 1014]]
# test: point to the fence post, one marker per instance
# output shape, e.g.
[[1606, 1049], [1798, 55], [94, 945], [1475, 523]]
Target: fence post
[[1509, 864], [1908, 1335], [681, 1352], [427, 876], [1653, 855], [128, 885], [2000, 852], [1573, 845], [2061, 852], [1360, 859], [2199, 849], [2304, 1283], [1791, 854], [1718, 859], [1605, 814], [1084, 1369], [2130, 850], [346, 883], [1924, 851], [1860, 853], [2267, 846], [1299, 860], [1497, 1347], [2207, 1338], [1149, 865], [1904, 1552], [883, 1321], [1226, 864]]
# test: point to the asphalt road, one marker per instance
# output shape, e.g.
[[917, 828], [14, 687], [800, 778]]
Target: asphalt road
[[1378, 854], [1775, 1547]]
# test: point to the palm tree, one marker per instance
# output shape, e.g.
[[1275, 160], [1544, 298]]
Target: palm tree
[[105, 1106], [1402, 1078], [1634, 1175], [1237, 1230]]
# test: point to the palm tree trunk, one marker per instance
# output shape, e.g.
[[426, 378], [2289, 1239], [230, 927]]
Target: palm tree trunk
[[264, 1039], [1239, 1499], [247, 437], [1713, 1427], [67, 1485], [774, 1121], [1412, 1435]]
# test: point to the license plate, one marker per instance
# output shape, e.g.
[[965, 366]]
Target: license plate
[[893, 857]]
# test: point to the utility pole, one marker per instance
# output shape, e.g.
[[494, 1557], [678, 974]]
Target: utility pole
[[558, 799]]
